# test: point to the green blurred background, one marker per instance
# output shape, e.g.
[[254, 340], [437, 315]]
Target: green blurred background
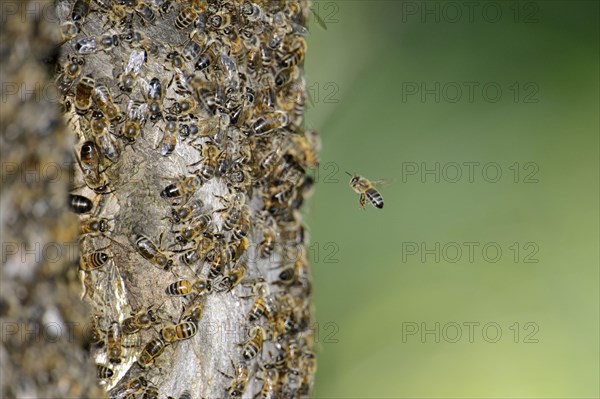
[[533, 311]]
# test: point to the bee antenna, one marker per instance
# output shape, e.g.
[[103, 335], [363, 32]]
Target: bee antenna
[[349, 174]]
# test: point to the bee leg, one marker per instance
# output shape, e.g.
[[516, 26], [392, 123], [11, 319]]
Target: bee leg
[[363, 201]]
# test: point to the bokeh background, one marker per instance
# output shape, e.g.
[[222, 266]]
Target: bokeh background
[[401, 312]]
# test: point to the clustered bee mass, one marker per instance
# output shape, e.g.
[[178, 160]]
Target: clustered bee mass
[[219, 81]]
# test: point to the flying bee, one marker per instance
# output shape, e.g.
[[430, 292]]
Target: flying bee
[[81, 9], [255, 344], [83, 95], [151, 351], [295, 55], [136, 115], [186, 17], [199, 226], [102, 136], [366, 190], [154, 98], [179, 332], [114, 343], [103, 372], [182, 190], [103, 99], [150, 251], [141, 320], [129, 76], [266, 123], [239, 381]]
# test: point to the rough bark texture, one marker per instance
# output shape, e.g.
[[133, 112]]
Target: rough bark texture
[[208, 102]]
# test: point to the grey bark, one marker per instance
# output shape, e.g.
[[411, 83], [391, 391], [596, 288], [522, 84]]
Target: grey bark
[[129, 283]]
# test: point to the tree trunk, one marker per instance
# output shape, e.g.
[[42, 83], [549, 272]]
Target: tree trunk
[[189, 106]]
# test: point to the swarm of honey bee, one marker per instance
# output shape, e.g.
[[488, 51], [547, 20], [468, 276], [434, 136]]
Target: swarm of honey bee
[[191, 170]]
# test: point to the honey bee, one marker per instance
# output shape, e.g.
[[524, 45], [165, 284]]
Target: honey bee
[[293, 274], [114, 343], [83, 95], [366, 190], [208, 57], [94, 226], [270, 388], [71, 73], [208, 163], [175, 60], [139, 321], [306, 148], [132, 69], [255, 344], [145, 12], [154, 98], [268, 122], [182, 190], [80, 204], [295, 54], [134, 386], [186, 17], [95, 334], [199, 286], [102, 136], [199, 226], [179, 332], [232, 277], [151, 351], [251, 11], [286, 76], [183, 213], [151, 392], [184, 107], [193, 48], [195, 314], [169, 140], [103, 99], [68, 30], [81, 9], [150, 251], [103, 372], [240, 380], [136, 115], [89, 161]]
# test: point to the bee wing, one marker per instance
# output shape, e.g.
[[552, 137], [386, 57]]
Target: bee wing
[[318, 18], [383, 182]]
